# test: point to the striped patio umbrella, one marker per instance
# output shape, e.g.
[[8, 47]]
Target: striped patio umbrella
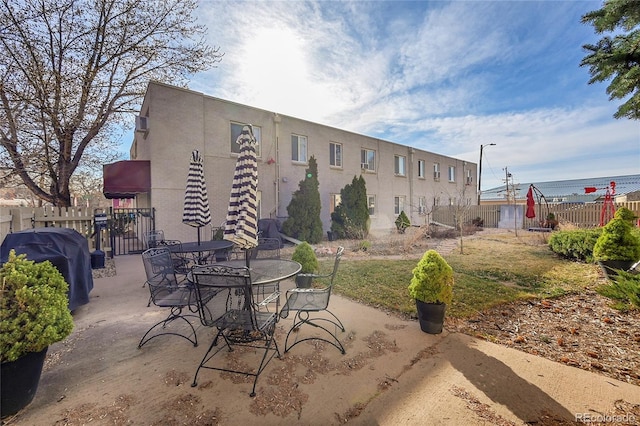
[[196, 202], [241, 226]]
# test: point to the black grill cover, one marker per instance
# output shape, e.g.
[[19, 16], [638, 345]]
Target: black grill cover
[[65, 248]]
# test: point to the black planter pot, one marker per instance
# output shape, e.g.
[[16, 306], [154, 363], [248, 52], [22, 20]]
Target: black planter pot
[[20, 380], [303, 281], [610, 268], [431, 316]]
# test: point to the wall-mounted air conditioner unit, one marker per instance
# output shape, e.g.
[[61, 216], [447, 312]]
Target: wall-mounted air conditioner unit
[[142, 124], [364, 166]]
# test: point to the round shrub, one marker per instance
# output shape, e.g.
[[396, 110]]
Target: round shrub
[[305, 256], [34, 308], [432, 280]]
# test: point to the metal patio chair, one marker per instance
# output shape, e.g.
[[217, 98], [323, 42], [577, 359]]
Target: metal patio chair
[[308, 305], [239, 320], [268, 248], [153, 238], [182, 262], [167, 292]]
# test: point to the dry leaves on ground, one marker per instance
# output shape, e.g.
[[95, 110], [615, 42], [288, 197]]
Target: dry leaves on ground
[[579, 330]]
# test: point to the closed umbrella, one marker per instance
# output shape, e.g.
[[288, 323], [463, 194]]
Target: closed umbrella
[[531, 204], [196, 202], [241, 226]]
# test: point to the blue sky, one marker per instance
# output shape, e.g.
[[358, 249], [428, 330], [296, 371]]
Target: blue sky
[[441, 76]]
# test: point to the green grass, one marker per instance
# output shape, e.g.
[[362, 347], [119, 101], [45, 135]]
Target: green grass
[[489, 273]]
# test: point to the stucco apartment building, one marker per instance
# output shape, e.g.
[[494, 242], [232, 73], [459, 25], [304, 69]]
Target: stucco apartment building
[[175, 121]]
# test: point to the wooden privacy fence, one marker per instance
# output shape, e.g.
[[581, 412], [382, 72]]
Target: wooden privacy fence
[[579, 215], [13, 219], [81, 219]]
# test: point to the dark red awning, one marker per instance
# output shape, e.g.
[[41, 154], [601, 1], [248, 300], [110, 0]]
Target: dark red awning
[[125, 179]]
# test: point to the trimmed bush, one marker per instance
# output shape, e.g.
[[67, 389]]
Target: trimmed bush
[[34, 307], [402, 222], [305, 256], [432, 280], [575, 244], [618, 241]]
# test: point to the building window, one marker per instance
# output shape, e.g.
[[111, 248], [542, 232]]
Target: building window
[[469, 177], [236, 130], [452, 173], [421, 170], [422, 205], [334, 200], [398, 204], [399, 165], [299, 148], [368, 159], [335, 154], [371, 201], [436, 171], [436, 201]]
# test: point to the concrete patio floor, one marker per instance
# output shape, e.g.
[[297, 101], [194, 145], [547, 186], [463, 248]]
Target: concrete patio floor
[[392, 374]]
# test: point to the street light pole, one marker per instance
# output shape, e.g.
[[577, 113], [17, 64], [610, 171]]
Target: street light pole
[[480, 171]]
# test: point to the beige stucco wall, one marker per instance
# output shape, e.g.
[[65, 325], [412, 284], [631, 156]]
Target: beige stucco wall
[[181, 120]]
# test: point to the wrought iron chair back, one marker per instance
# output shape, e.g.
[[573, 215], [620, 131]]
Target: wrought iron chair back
[[226, 302], [153, 238], [167, 292], [307, 303], [268, 248]]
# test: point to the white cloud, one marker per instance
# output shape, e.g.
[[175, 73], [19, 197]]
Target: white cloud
[[441, 76]]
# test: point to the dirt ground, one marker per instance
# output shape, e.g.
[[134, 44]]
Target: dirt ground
[[547, 368]]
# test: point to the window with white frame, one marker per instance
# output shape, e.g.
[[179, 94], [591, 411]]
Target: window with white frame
[[371, 202], [452, 173], [469, 177], [422, 205], [400, 165], [436, 171], [398, 204], [335, 154], [236, 130], [436, 201], [334, 200], [299, 148], [421, 170], [368, 159]]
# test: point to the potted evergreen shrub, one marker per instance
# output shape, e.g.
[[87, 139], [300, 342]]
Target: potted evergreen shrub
[[617, 247], [305, 256], [432, 288], [550, 222], [402, 222], [34, 313]]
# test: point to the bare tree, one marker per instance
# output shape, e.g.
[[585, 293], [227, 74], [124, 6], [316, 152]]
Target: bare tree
[[460, 203], [70, 70]]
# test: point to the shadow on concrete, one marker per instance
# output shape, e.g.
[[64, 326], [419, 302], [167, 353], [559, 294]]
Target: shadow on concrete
[[503, 386]]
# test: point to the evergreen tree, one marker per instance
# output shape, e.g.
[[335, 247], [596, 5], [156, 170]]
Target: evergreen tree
[[304, 221], [617, 58], [350, 219]]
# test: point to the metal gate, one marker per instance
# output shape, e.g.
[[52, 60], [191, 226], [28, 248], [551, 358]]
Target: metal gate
[[127, 228]]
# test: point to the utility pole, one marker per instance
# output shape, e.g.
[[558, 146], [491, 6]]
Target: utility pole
[[515, 207], [480, 171]]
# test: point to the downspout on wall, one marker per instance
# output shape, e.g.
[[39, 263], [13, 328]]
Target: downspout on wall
[[276, 121]]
